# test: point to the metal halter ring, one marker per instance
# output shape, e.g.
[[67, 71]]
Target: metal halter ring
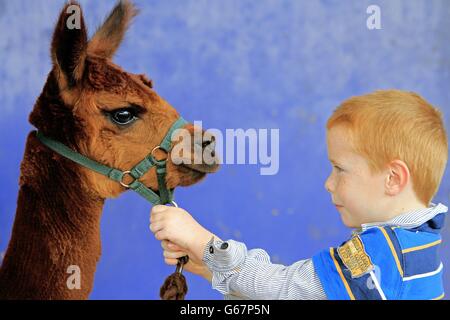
[[156, 148], [181, 262], [174, 204], [179, 268], [123, 175]]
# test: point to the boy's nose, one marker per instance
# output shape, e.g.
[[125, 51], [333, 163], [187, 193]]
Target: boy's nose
[[328, 185]]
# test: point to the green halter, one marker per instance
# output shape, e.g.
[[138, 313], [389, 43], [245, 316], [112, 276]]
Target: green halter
[[165, 195]]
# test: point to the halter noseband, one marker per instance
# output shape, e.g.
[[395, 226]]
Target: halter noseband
[[165, 195]]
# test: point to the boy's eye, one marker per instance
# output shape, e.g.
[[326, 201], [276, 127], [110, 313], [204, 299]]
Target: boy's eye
[[337, 168]]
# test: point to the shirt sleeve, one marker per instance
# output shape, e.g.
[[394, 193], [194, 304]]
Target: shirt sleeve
[[239, 273]]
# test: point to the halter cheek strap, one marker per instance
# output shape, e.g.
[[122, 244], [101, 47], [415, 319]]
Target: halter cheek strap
[[165, 195]]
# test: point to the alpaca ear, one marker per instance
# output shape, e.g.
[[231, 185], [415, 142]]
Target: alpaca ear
[[108, 37], [69, 44]]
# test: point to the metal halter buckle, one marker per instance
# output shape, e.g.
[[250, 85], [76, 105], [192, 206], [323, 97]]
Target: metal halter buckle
[[156, 148], [123, 183]]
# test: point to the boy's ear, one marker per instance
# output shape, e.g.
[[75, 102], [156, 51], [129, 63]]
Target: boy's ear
[[398, 177], [69, 45], [108, 37]]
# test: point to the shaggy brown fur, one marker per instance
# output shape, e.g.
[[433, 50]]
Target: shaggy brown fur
[[57, 221]]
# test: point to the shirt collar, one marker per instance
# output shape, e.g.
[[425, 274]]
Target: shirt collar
[[410, 219]]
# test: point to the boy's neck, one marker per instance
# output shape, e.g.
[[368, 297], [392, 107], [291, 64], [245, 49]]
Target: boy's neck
[[397, 209], [403, 208]]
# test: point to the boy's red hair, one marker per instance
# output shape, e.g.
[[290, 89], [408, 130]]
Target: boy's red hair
[[392, 124]]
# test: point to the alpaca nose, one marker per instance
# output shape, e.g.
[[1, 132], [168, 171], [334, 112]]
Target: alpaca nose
[[207, 141], [202, 155]]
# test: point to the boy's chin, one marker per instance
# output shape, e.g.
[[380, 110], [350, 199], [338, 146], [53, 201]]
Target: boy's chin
[[348, 223]]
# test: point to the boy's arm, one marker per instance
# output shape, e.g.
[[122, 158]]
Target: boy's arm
[[237, 272], [233, 270]]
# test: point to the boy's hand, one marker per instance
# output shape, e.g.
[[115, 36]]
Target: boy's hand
[[180, 228], [171, 254]]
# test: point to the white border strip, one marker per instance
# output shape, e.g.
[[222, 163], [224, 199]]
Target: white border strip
[[377, 285], [424, 275]]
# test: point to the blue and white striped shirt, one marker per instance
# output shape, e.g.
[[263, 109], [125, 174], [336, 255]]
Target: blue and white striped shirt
[[239, 273]]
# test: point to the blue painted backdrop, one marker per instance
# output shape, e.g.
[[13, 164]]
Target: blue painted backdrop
[[234, 64]]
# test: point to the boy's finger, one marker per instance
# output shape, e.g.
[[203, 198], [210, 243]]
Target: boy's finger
[[156, 217], [160, 235], [157, 212], [174, 247], [170, 246], [164, 244], [155, 227], [172, 262], [174, 254], [159, 208]]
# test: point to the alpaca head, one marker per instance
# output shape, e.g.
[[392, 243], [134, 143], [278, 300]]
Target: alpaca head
[[110, 115]]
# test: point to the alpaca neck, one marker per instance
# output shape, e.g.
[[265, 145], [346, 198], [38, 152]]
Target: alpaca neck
[[56, 231]]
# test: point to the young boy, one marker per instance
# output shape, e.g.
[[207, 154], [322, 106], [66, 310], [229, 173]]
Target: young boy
[[388, 150]]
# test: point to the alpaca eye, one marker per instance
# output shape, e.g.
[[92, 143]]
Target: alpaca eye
[[123, 116]]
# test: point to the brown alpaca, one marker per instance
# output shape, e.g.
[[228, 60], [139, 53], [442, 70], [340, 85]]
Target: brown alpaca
[[84, 104]]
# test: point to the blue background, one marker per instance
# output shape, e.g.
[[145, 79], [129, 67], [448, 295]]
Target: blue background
[[234, 64]]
